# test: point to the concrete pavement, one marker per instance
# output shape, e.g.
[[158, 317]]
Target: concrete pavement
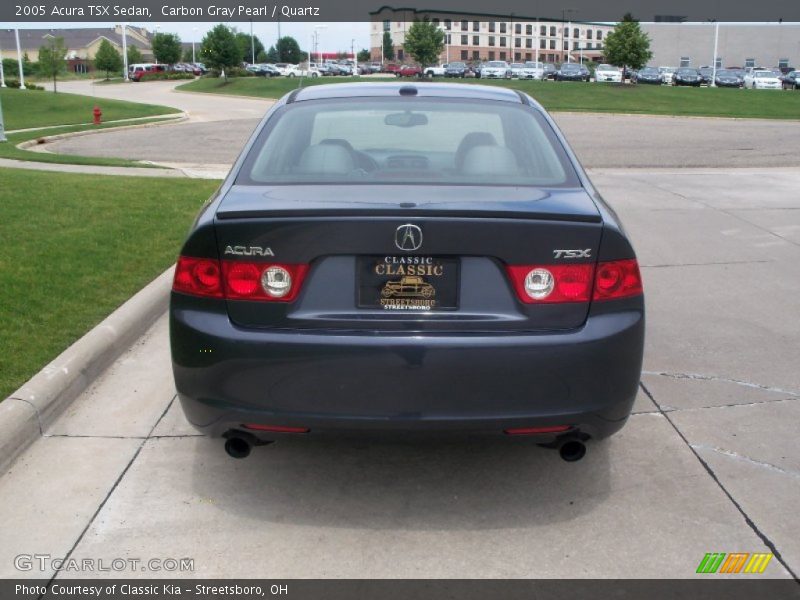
[[708, 462]]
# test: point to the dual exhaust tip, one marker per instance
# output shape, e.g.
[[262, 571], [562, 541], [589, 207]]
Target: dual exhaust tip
[[239, 446]]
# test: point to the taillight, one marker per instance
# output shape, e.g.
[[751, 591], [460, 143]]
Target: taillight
[[198, 276], [548, 284], [617, 279], [267, 282], [537, 430]]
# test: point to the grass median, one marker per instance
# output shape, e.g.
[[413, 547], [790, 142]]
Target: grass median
[[24, 109], [76, 247], [571, 97]]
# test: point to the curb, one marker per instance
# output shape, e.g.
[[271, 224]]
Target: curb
[[35, 143], [29, 411]]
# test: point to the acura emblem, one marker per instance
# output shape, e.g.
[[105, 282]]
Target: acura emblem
[[408, 237]]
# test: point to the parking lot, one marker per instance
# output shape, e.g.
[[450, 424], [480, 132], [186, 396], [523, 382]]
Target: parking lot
[[708, 462]]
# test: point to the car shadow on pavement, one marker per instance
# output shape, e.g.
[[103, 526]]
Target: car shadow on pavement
[[459, 484]]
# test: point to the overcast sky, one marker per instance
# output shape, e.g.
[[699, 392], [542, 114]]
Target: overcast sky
[[334, 37]]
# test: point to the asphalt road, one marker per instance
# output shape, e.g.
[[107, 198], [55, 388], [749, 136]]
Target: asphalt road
[[709, 462], [223, 124]]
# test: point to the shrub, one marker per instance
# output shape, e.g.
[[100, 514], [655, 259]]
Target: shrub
[[14, 83], [162, 76]]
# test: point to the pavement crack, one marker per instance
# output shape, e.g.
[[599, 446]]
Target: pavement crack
[[100, 437], [761, 535], [35, 410], [747, 459], [701, 377]]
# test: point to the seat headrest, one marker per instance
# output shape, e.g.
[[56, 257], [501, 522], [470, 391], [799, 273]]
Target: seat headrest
[[490, 160], [331, 159]]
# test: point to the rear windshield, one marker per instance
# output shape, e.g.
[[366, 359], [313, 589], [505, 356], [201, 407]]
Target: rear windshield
[[408, 140]]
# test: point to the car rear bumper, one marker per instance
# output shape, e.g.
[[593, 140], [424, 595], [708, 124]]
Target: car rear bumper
[[327, 381]]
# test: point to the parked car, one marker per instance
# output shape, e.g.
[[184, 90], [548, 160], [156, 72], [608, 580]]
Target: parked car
[[391, 68], [305, 71], [728, 78], [496, 69], [607, 73], [532, 70], [649, 75], [706, 74], [283, 272], [550, 71], [409, 71], [456, 69], [435, 70], [666, 74], [572, 72], [140, 71], [687, 76], [476, 69], [516, 69], [790, 80], [762, 80]]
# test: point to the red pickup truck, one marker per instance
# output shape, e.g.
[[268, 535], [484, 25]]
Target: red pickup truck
[[409, 71]]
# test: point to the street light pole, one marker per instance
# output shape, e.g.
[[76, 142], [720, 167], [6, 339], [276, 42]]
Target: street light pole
[[2, 124], [355, 58], [252, 45], [714, 64], [19, 61], [125, 51], [194, 37]]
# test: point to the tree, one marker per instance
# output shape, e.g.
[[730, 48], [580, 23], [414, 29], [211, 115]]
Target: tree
[[388, 46], [424, 41], [245, 48], [219, 49], [261, 57], [166, 48], [187, 55], [107, 58], [134, 55], [363, 55], [289, 50], [628, 45], [272, 55], [52, 59]]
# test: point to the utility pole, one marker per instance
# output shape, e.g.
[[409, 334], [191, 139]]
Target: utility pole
[[714, 64], [19, 62], [125, 51], [252, 45]]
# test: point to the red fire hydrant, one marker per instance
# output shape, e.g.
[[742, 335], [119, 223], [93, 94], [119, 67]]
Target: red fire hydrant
[[97, 114]]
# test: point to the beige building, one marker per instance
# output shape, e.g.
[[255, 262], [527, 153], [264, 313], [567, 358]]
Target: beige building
[[479, 37], [82, 43]]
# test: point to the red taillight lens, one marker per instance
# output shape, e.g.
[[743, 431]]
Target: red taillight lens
[[617, 279], [268, 282], [548, 284], [198, 276]]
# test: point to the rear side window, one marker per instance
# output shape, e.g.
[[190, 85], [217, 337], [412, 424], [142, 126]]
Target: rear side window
[[418, 141]]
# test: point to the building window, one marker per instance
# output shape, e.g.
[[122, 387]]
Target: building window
[[476, 55], [599, 34], [527, 56], [476, 40], [718, 62], [464, 40], [448, 23], [685, 61], [447, 39], [565, 33], [502, 41], [518, 28], [576, 33], [552, 44], [783, 63], [517, 57], [542, 44], [491, 40], [464, 25], [464, 55], [491, 54], [476, 26], [529, 29], [528, 43], [750, 62], [588, 34], [542, 30], [575, 45], [492, 25], [387, 25], [502, 56], [566, 45], [552, 31], [400, 55], [436, 22], [503, 27], [517, 42]]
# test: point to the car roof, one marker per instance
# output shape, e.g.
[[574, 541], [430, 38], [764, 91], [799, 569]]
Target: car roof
[[422, 90]]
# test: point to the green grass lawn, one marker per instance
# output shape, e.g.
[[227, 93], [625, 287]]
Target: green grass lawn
[[75, 248], [579, 97], [9, 149], [23, 109]]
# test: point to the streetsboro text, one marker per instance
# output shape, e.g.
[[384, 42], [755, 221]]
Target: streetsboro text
[[233, 12]]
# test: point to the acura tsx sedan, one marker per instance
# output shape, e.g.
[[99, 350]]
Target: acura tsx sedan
[[399, 258]]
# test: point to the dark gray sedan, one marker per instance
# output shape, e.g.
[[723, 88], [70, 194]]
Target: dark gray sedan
[[393, 257]]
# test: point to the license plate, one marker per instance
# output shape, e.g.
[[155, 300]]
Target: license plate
[[408, 283]]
